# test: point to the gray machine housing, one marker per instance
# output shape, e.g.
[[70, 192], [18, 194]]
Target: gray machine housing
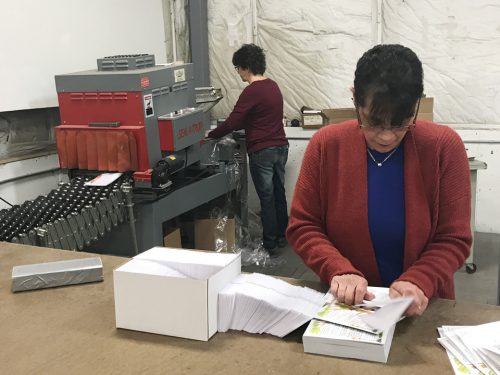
[[173, 93], [171, 88]]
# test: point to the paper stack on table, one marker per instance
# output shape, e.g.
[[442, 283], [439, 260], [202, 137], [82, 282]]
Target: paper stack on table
[[472, 349], [363, 332], [258, 303], [104, 179]]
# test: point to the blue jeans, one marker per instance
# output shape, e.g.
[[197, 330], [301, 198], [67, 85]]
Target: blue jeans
[[267, 168]]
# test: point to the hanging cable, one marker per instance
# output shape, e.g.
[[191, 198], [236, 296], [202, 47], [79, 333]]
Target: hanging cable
[[6, 202], [174, 32]]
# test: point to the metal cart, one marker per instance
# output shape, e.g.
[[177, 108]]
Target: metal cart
[[474, 166]]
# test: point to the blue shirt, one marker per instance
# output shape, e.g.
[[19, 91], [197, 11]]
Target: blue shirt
[[386, 212]]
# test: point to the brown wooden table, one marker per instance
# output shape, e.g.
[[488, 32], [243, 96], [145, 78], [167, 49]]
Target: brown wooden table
[[71, 330]]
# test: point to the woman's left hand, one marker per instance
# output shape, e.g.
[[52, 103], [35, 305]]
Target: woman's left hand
[[407, 289]]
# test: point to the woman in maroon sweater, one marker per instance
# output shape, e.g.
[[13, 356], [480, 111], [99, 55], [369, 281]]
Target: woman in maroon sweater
[[386, 167], [259, 110]]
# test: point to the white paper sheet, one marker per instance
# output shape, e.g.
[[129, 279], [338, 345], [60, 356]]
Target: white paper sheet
[[103, 179]]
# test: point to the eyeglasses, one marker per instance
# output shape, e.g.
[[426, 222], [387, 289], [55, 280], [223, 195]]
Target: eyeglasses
[[393, 128]]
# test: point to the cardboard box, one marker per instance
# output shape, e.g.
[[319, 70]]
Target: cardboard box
[[337, 115], [426, 105], [425, 116], [426, 109], [215, 234], [327, 116], [173, 291], [173, 239], [313, 120]]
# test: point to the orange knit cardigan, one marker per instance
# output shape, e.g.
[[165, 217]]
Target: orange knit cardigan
[[328, 224]]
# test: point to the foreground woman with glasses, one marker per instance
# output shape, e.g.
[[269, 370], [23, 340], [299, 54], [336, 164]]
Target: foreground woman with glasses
[[384, 200]]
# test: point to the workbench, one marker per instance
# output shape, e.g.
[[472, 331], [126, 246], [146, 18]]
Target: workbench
[[71, 330]]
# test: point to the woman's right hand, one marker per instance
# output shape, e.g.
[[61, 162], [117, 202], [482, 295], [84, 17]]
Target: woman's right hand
[[350, 289]]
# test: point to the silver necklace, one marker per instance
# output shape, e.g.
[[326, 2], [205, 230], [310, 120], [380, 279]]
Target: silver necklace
[[380, 163]]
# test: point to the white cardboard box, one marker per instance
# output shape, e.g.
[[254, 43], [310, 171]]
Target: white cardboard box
[[173, 291]]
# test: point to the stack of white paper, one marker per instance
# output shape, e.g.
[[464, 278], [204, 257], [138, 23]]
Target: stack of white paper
[[258, 303], [182, 263], [151, 267], [472, 349], [364, 331]]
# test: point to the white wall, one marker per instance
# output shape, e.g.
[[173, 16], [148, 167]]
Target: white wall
[[40, 39], [26, 179], [483, 142]]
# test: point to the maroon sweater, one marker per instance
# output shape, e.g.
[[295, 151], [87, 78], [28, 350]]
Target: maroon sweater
[[259, 110], [329, 216]]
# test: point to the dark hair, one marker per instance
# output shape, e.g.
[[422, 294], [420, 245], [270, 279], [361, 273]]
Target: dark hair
[[250, 57], [392, 76]]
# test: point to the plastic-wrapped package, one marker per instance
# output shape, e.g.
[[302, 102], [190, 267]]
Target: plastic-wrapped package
[[247, 240], [223, 151], [224, 230], [249, 244], [59, 273]]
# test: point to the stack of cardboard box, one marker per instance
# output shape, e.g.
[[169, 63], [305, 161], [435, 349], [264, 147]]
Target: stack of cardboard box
[[337, 115], [426, 109], [314, 119], [207, 234]]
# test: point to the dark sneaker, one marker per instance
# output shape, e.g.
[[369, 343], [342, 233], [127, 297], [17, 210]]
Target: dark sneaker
[[270, 249], [269, 246], [282, 242], [274, 253]]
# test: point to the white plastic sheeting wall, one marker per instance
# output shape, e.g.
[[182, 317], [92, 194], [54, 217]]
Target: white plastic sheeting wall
[[312, 48], [459, 44]]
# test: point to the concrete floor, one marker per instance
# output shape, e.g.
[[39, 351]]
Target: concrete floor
[[479, 287]]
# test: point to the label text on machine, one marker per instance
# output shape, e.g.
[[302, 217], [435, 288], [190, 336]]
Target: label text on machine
[[184, 132]]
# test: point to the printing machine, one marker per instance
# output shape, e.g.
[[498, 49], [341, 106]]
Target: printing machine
[[129, 115], [141, 119]]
